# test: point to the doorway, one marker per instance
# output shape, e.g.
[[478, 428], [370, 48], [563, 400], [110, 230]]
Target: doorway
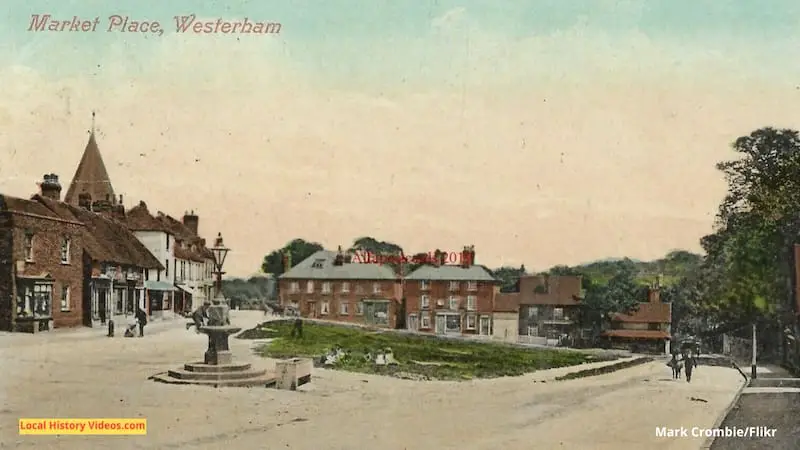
[[441, 324]]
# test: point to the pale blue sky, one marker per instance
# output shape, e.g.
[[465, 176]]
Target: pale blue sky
[[351, 43]]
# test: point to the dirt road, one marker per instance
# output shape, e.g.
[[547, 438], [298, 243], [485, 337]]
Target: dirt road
[[101, 378]]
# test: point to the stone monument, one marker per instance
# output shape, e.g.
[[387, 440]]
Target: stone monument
[[218, 368]]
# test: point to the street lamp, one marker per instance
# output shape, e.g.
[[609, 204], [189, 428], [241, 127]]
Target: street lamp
[[220, 252]]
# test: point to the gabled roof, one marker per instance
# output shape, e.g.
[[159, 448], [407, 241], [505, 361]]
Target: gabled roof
[[91, 176], [452, 273], [648, 312], [139, 218], [105, 239], [307, 269], [23, 206], [555, 290], [183, 235]]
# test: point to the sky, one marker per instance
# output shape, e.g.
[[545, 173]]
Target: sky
[[541, 131]]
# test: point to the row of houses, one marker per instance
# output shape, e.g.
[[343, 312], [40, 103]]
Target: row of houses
[[83, 259], [462, 299]]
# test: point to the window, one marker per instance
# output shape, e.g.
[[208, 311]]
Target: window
[[376, 288], [425, 321], [471, 321], [35, 301], [344, 309], [558, 313], [326, 288], [28, 246], [65, 298], [359, 289], [166, 268], [453, 302], [294, 287], [453, 323], [310, 287], [533, 311], [325, 309], [360, 308], [425, 301], [486, 325], [167, 242], [472, 303], [454, 285], [65, 244], [318, 264], [472, 285], [183, 270], [345, 287], [654, 326], [424, 285]]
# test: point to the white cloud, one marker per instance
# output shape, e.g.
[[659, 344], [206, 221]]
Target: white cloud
[[450, 17]]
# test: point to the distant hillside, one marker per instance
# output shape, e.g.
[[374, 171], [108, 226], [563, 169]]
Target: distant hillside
[[671, 268]]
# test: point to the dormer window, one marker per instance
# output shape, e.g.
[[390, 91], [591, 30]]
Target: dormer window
[[318, 264]]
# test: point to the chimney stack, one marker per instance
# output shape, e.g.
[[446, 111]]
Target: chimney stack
[[287, 261], [120, 199], [50, 187], [468, 256], [654, 295], [339, 259], [191, 221]]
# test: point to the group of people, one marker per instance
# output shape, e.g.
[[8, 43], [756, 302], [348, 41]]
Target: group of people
[[687, 360]]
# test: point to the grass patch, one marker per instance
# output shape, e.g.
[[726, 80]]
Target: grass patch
[[426, 357]]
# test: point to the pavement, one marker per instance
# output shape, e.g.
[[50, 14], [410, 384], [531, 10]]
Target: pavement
[[771, 401], [84, 374]]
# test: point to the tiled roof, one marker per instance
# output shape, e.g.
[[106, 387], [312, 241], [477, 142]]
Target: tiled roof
[[139, 218], [648, 313], [19, 205], [506, 302], [183, 235], [306, 270], [105, 239], [638, 334], [557, 290], [91, 177], [452, 273]]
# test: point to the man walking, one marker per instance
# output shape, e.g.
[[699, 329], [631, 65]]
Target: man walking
[[690, 363], [141, 317]]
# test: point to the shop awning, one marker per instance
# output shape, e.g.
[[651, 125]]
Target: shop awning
[[159, 286], [637, 334]]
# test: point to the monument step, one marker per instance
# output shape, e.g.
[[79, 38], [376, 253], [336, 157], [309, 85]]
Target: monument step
[[203, 367], [189, 375], [260, 381]]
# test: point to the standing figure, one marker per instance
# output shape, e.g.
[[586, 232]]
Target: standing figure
[[675, 364], [141, 317], [690, 365]]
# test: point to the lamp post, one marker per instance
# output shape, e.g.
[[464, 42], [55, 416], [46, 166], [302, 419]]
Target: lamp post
[[220, 252]]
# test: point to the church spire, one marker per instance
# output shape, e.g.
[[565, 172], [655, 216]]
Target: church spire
[[91, 179]]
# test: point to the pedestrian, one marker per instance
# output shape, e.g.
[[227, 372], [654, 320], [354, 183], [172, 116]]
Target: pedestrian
[[199, 316], [141, 317], [130, 331], [690, 365]]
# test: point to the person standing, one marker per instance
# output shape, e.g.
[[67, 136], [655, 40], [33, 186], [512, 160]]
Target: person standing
[[690, 364], [141, 317], [199, 316]]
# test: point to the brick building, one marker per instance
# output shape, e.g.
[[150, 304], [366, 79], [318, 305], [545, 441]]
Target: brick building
[[549, 307], [648, 328], [451, 299], [328, 285], [68, 266]]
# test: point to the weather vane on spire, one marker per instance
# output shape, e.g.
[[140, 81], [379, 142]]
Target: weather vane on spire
[[92, 122]]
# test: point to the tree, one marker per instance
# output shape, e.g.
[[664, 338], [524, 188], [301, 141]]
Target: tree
[[621, 295], [298, 249], [509, 277]]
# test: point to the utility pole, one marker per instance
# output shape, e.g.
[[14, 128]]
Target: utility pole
[[753, 372]]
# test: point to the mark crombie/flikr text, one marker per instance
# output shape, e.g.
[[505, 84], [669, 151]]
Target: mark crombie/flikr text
[[419, 258]]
